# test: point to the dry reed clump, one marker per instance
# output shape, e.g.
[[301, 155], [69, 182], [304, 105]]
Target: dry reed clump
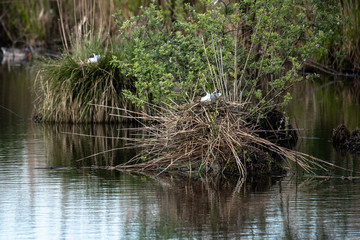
[[213, 138]]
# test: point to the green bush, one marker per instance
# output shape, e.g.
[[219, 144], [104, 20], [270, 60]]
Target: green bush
[[249, 50]]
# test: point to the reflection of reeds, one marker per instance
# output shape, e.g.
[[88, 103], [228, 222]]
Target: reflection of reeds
[[66, 143], [332, 99], [197, 204]]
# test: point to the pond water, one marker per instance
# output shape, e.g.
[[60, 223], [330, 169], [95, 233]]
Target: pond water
[[46, 191]]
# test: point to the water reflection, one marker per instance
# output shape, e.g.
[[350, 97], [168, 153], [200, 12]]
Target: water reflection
[[87, 145], [317, 109], [46, 194], [103, 204]]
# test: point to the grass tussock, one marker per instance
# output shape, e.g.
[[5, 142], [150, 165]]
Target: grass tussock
[[68, 89], [213, 138]]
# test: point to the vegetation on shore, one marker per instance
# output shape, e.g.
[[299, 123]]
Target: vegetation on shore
[[45, 23], [259, 47], [342, 51], [251, 52]]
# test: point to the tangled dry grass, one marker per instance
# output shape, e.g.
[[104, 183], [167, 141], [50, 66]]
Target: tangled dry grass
[[212, 138]]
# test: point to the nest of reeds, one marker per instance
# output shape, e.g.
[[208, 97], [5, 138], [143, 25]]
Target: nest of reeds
[[211, 138]]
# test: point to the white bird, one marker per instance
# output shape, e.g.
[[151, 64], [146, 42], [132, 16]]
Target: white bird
[[206, 98], [215, 95], [93, 58], [211, 97]]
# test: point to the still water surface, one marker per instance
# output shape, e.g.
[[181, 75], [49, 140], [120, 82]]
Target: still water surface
[[45, 193]]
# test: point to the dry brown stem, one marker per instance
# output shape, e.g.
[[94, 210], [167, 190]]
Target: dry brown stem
[[211, 138]]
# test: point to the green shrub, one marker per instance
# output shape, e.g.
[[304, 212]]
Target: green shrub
[[250, 50]]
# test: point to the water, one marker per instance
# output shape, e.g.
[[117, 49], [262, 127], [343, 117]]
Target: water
[[320, 107], [45, 193]]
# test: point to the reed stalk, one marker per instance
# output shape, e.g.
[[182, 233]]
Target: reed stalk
[[210, 139], [351, 31]]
